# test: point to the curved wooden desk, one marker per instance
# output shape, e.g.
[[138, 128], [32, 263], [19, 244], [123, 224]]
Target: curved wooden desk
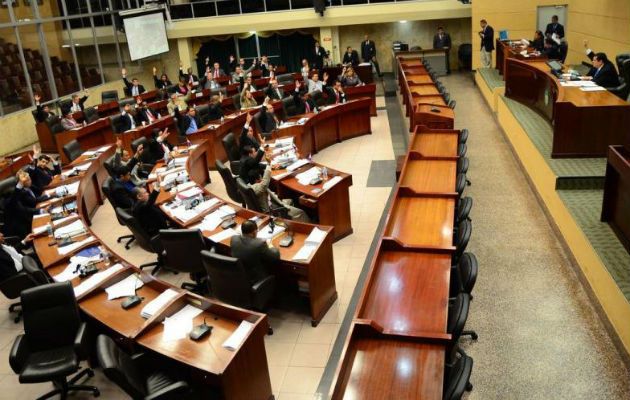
[[584, 123], [11, 164], [206, 364]]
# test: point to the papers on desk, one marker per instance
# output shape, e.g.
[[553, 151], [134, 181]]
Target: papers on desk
[[578, 84], [183, 186], [303, 120], [180, 161], [64, 219], [180, 324], [78, 168], [126, 287], [185, 215], [73, 229], [592, 89], [331, 182], [305, 178], [297, 164], [286, 124], [40, 229], [214, 219], [89, 153], [103, 149], [70, 206], [284, 142], [94, 280], [72, 270], [264, 233], [156, 304], [192, 192], [237, 338], [73, 246], [224, 234], [38, 216], [64, 190], [310, 245], [286, 158]]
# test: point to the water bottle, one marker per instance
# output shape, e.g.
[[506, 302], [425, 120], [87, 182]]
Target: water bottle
[[105, 257], [222, 119], [49, 229], [325, 173], [310, 158]]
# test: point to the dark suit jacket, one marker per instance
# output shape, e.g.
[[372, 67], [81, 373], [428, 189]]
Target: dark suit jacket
[[128, 86], [606, 77], [316, 58], [41, 115], [123, 197], [557, 29], [553, 52], [141, 115], [245, 140], [125, 121], [442, 43], [154, 152], [221, 72], [487, 42], [21, 206], [149, 215], [352, 58], [159, 84], [538, 44], [186, 76], [186, 120], [248, 163], [300, 103], [267, 122], [332, 96], [272, 94], [41, 177], [255, 255], [368, 50]]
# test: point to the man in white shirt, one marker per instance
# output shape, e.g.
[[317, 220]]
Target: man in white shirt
[[11, 258], [78, 102]]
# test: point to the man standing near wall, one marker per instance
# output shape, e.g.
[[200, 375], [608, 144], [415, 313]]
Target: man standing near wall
[[368, 53], [487, 44], [442, 40]]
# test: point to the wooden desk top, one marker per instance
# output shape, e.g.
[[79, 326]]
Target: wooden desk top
[[424, 90], [429, 176], [435, 144], [424, 79], [445, 112], [422, 222]]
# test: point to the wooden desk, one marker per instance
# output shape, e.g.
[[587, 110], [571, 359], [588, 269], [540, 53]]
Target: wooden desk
[[429, 175], [436, 145], [505, 50], [129, 136], [11, 164], [584, 123], [98, 133], [364, 72], [357, 92], [616, 204], [436, 116]]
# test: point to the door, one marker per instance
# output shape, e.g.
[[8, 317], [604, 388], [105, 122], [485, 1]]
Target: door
[[546, 12]]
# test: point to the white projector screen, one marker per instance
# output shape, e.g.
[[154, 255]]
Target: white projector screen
[[146, 35]]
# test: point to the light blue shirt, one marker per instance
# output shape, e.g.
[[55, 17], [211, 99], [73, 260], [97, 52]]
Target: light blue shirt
[[192, 128]]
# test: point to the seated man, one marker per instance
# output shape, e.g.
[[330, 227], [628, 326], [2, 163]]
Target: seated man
[[128, 119], [146, 212], [21, 207], [336, 94], [248, 136], [11, 256], [42, 172], [240, 73], [122, 186], [78, 102], [177, 102], [603, 71], [268, 199], [157, 147], [255, 254], [122, 159], [146, 115], [189, 123], [273, 91], [350, 57], [133, 88], [303, 102], [267, 119], [250, 159], [42, 113]]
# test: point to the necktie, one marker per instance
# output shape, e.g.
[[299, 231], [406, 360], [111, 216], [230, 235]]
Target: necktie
[[150, 116], [216, 73], [337, 94], [596, 72], [308, 108], [190, 78]]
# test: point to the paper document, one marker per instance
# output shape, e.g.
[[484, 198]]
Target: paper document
[[281, 176], [179, 161], [316, 236], [72, 229], [89, 153], [72, 270], [304, 178], [331, 182], [283, 142], [297, 165], [212, 220], [264, 233], [194, 191], [103, 149], [237, 338], [305, 252], [69, 273], [224, 234], [64, 219], [72, 247], [38, 216], [40, 229], [64, 190], [124, 288], [180, 324], [83, 167], [96, 279], [156, 304], [592, 89]]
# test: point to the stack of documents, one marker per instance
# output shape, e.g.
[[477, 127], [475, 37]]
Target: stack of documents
[[126, 287], [214, 219], [154, 306], [180, 324], [304, 178], [264, 233], [72, 247], [64, 190], [180, 161], [297, 165], [84, 257], [72, 229], [287, 157], [94, 280], [310, 245], [224, 234], [237, 338], [192, 192], [185, 215]]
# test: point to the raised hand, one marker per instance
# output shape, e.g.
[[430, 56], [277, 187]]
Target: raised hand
[[154, 71], [37, 97], [119, 143], [123, 71], [249, 118]]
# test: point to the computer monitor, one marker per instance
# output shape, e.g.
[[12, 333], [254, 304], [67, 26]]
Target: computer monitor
[[503, 35], [554, 65]]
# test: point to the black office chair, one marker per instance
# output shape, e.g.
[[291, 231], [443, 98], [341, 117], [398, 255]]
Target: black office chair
[[30, 276], [72, 150], [230, 183], [236, 100], [108, 96], [464, 275], [231, 149], [229, 282], [65, 104], [458, 310], [182, 253], [462, 149], [134, 374], [146, 242], [259, 128], [461, 239], [447, 97], [460, 183], [452, 104], [462, 211], [7, 186], [203, 112], [251, 201], [54, 340], [288, 105], [457, 377], [142, 140], [90, 114], [285, 79], [318, 98], [463, 135], [106, 189]]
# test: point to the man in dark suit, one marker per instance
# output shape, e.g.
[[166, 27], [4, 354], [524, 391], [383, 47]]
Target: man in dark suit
[[267, 119], [303, 102], [442, 40], [603, 71], [133, 88], [255, 254], [189, 122], [250, 159], [21, 207], [350, 57], [487, 43], [551, 49], [146, 212], [216, 71], [42, 113], [122, 186], [273, 91], [249, 137], [128, 119], [187, 76], [78, 102], [42, 172], [317, 56], [554, 27], [336, 94], [233, 63], [146, 114], [368, 53]]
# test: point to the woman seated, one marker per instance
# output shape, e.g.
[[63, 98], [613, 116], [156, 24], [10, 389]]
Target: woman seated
[[182, 88], [539, 41], [247, 100], [349, 78], [162, 82]]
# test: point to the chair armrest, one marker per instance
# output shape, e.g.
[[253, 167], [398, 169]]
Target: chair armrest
[[175, 391], [37, 274], [262, 291], [80, 341], [19, 354], [156, 243]]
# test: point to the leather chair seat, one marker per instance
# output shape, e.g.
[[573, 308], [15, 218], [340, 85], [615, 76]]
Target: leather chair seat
[[158, 381], [40, 368]]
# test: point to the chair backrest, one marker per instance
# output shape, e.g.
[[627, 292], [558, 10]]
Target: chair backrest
[[230, 182], [288, 105], [247, 193], [625, 71], [116, 122], [108, 96], [139, 233], [202, 113], [142, 140], [108, 193], [463, 135], [7, 186], [452, 104], [124, 102], [462, 165], [229, 145], [119, 367], [462, 149], [284, 79], [318, 98], [183, 249], [464, 205], [457, 377], [228, 280], [236, 99], [259, 127], [620, 59], [464, 231], [51, 316], [72, 150], [468, 269], [460, 183], [457, 316], [65, 104], [109, 166], [90, 114]]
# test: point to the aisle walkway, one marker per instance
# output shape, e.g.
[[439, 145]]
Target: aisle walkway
[[539, 336]]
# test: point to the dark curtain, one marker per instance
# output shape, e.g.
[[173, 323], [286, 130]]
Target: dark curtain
[[218, 51], [294, 48], [247, 48], [270, 47]]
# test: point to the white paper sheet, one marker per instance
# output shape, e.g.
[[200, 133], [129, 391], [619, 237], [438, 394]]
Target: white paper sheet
[[72, 229], [83, 167], [156, 304], [297, 165], [70, 189], [331, 182], [237, 338], [71, 271], [180, 324], [64, 219], [72, 247], [264, 233], [194, 191], [305, 252], [316, 236], [304, 178], [96, 279], [125, 287], [89, 153], [592, 89], [224, 234], [40, 229]]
